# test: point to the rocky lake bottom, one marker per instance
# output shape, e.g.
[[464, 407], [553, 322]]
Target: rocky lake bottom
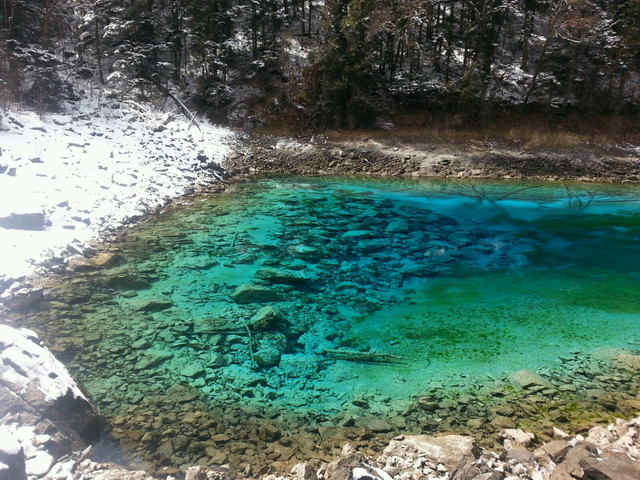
[[274, 322]]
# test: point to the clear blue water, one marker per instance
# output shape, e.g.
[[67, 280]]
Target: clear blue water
[[378, 288]]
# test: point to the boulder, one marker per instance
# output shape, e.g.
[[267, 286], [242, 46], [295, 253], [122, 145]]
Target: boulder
[[556, 449], [516, 437], [304, 471], [30, 371], [354, 465], [452, 451], [612, 466], [22, 299]]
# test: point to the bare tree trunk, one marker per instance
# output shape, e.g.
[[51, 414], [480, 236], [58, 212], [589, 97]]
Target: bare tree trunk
[[99, 52]]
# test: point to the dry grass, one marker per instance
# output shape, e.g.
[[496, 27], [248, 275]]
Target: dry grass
[[531, 131], [545, 137]]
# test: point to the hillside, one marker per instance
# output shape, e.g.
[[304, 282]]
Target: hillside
[[312, 64]]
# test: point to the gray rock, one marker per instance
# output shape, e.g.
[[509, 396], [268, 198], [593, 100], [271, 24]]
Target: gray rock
[[355, 466], [556, 449], [516, 437], [452, 451], [571, 467], [613, 466], [196, 473], [522, 456], [24, 221], [22, 299]]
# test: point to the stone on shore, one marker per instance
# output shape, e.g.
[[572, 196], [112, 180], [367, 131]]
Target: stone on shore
[[24, 221], [451, 451], [12, 466]]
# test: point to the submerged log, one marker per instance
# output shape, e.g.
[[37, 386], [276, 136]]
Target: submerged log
[[364, 357]]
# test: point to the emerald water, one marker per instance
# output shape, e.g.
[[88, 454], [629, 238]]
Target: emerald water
[[323, 301]]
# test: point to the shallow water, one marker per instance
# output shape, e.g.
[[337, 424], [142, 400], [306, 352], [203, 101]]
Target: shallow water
[[381, 290]]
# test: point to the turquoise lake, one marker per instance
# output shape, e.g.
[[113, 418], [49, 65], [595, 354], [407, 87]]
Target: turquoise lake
[[312, 297]]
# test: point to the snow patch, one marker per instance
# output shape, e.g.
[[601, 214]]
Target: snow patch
[[93, 169]]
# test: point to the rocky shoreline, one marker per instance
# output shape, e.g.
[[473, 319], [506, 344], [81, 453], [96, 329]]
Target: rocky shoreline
[[611, 452], [394, 156]]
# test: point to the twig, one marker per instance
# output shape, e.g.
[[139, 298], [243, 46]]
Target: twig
[[253, 360]]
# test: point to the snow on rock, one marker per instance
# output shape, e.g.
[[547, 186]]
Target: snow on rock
[[43, 413], [12, 465], [66, 179], [28, 368]]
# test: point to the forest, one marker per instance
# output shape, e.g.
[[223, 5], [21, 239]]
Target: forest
[[327, 63]]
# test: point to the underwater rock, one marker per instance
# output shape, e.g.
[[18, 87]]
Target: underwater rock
[[267, 318], [286, 277], [527, 379], [305, 252], [254, 294], [156, 304], [300, 365], [126, 281], [398, 226], [267, 357], [151, 358]]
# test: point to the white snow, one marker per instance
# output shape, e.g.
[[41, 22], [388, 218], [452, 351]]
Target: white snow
[[92, 169], [8, 444]]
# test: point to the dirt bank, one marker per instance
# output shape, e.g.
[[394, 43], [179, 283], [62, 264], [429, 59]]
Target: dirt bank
[[420, 157]]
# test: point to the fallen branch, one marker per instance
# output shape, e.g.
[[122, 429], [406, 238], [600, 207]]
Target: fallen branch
[[192, 116], [254, 365]]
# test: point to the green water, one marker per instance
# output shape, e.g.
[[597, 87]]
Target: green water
[[426, 281]]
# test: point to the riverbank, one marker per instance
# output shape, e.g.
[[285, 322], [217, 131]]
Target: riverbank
[[397, 155]]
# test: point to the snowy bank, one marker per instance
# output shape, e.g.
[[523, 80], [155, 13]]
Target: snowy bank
[[67, 178]]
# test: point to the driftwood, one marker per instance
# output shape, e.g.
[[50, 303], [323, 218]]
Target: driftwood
[[364, 357]]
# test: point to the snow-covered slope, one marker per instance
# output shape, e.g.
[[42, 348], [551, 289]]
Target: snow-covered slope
[[65, 178]]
